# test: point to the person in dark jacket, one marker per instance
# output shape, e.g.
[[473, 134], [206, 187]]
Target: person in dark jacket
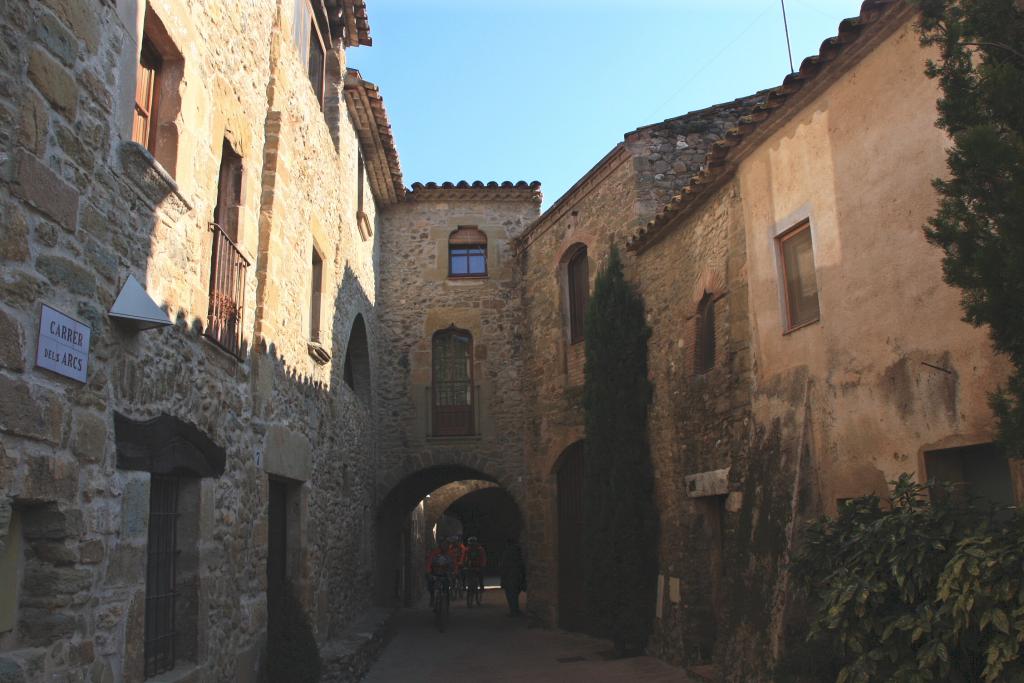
[[513, 575]]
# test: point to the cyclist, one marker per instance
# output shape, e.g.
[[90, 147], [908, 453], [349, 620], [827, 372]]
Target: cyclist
[[456, 551], [475, 561], [439, 567]]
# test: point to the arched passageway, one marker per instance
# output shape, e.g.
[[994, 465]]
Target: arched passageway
[[403, 534], [493, 517]]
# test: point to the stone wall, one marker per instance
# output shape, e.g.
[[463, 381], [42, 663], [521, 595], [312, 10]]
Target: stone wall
[[604, 208], [418, 298], [699, 424], [83, 208]]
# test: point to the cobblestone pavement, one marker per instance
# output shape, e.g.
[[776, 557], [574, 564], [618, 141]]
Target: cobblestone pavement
[[483, 644]]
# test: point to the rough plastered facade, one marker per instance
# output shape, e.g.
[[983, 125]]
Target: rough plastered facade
[[309, 451]]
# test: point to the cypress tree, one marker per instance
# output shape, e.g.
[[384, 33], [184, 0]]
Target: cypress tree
[[620, 520], [980, 220]]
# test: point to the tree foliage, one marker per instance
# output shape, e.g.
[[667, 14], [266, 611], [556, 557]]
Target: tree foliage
[[620, 519], [980, 220], [924, 588], [292, 651]]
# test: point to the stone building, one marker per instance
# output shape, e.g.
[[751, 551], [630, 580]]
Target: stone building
[[451, 321], [147, 511], [804, 349], [346, 360]]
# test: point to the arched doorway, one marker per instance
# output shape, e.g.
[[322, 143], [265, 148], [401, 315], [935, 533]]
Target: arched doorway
[[402, 534], [571, 604]]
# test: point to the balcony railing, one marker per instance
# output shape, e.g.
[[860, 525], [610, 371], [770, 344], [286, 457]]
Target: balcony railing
[[448, 421], [227, 293]]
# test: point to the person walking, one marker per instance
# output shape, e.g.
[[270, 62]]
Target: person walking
[[513, 575]]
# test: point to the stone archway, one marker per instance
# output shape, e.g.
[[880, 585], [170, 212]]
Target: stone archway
[[401, 537]]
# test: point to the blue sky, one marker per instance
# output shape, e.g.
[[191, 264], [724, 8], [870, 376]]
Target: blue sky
[[542, 89]]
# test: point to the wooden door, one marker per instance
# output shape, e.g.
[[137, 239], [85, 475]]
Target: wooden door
[[571, 606]]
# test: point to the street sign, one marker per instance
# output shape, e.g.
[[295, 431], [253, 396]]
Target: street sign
[[63, 344]]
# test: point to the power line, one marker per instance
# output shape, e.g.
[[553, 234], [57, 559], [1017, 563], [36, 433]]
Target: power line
[[711, 61], [785, 25]]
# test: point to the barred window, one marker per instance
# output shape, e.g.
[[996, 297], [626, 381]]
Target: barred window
[[453, 382], [161, 575]]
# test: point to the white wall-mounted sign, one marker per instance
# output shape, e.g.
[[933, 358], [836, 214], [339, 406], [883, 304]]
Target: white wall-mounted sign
[[63, 344]]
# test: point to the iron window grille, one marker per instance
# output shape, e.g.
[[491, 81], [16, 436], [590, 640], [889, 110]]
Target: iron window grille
[[227, 293], [453, 383], [161, 575]]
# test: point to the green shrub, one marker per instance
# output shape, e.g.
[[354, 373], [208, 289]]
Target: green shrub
[[926, 588], [292, 652]]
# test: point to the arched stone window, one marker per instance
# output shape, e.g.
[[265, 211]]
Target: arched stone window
[[452, 369], [578, 280], [467, 252], [704, 341], [357, 360]]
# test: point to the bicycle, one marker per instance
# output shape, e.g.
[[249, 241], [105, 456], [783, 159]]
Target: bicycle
[[473, 591], [442, 601]]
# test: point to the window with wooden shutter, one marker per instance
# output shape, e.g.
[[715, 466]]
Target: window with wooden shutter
[[579, 293], [143, 128], [310, 45], [800, 285], [452, 370]]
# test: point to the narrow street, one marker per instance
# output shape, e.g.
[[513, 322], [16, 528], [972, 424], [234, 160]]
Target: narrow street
[[483, 644]]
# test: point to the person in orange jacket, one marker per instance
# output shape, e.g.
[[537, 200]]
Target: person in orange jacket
[[456, 551], [440, 565]]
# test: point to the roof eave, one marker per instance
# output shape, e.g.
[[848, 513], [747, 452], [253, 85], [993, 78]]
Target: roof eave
[[380, 155]]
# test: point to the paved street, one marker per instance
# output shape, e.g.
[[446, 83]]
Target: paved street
[[483, 644]]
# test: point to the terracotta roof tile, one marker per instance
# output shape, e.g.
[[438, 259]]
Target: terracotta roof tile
[[720, 160], [348, 20], [373, 129], [476, 191]]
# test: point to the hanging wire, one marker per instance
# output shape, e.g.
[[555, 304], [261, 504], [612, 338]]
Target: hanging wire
[[785, 25]]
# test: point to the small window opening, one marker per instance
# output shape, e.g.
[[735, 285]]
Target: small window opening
[[467, 252], [357, 361], [310, 45], [578, 272], [979, 471], [704, 351], [147, 75], [798, 274], [316, 285]]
